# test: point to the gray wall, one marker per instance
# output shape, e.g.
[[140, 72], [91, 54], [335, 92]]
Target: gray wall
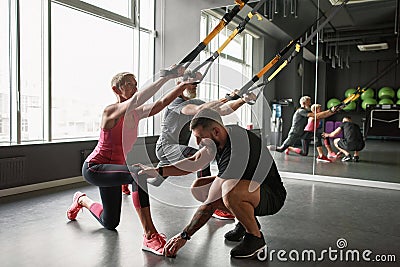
[[180, 30], [49, 162]]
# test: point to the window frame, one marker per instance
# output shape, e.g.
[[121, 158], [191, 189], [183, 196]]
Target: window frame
[[100, 12], [15, 123]]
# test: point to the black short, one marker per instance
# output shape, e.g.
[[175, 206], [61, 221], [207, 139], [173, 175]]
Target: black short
[[271, 200], [343, 144]]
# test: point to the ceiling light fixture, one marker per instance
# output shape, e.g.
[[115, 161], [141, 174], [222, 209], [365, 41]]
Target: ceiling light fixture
[[373, 47]]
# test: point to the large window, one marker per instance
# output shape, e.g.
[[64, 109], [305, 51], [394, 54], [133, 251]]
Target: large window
[[4, 72], [31, 69], [231, 70], [87, 52], [58, 58]]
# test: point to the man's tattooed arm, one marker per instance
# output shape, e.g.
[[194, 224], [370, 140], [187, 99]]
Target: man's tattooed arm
[[202, 215]]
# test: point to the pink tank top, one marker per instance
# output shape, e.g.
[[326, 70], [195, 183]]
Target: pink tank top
[[310, 125], [114, 144]]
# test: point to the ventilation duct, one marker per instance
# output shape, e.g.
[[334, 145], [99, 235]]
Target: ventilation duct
[[339, 2]]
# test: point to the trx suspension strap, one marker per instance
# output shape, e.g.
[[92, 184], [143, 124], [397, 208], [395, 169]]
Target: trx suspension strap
[[196, 51], [298, 45], [361, 90], [238, 30]]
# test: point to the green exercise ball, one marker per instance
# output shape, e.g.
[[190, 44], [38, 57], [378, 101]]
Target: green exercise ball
[[332, 102], [386, 92], [369, 93], [350, 106], [368, 101], [398, 102], [349, 92], [386, 101], [398, 94]]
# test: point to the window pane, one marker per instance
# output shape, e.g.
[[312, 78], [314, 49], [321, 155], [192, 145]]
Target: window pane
[[146, 76], [234, 47], [86, 53], [4, 74], [232, 72], [121, 7], [31, 70], [147, 14]]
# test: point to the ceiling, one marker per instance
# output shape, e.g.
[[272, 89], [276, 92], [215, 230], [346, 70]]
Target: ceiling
[[368, 19], [358, 22]]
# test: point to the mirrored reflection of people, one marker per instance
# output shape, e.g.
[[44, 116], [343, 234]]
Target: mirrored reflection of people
[[313, 131], [106, 166], [352, 139], [247, 185], [299, 122], [173, 143]]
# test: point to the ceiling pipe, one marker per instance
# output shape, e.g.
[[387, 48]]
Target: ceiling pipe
[[271, 12], [312, 39], [284, 9], [291, 7], [351, 42], [396, 19], [355, 37]]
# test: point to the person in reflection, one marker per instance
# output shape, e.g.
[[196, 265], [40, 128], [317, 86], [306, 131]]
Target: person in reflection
[[173, 143], [314, 127], [299, 122], [352, 139], [247, 185], [106, 166]]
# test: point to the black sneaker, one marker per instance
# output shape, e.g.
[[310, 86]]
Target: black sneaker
[[249, 246], [347, 158], [238, 232], [356, 158]]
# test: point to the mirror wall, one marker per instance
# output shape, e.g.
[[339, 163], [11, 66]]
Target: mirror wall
[[356, 48]]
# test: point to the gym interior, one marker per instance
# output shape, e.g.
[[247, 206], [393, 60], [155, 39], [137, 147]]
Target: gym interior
[[58, 58]]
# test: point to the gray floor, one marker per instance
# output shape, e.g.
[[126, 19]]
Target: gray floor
[[379, 161], [35, 231]]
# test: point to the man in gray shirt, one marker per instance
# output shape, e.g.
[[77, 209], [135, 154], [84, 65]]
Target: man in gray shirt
[[173, 143], [299, 121]]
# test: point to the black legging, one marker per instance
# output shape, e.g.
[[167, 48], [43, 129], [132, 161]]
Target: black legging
[[109, 178]]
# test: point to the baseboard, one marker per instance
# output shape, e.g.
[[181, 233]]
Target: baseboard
[[39, 186], [340, 180]]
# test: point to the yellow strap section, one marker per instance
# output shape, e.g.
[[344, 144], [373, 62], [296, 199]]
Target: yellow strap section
[[214, 32], [284, 64], [220, 26], [250, 15], [297, 48], [238, 2], [355, 96], [268, 66], [258, 16], [233, 34]]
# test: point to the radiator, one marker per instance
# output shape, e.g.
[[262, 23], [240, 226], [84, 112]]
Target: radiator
[[12, 171]]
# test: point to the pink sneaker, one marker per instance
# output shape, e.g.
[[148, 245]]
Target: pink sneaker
[[297, 150], [287, 151], [125, 189], [75, 207], [323, 158], [223, 215], [332, 155], [155, 244]]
